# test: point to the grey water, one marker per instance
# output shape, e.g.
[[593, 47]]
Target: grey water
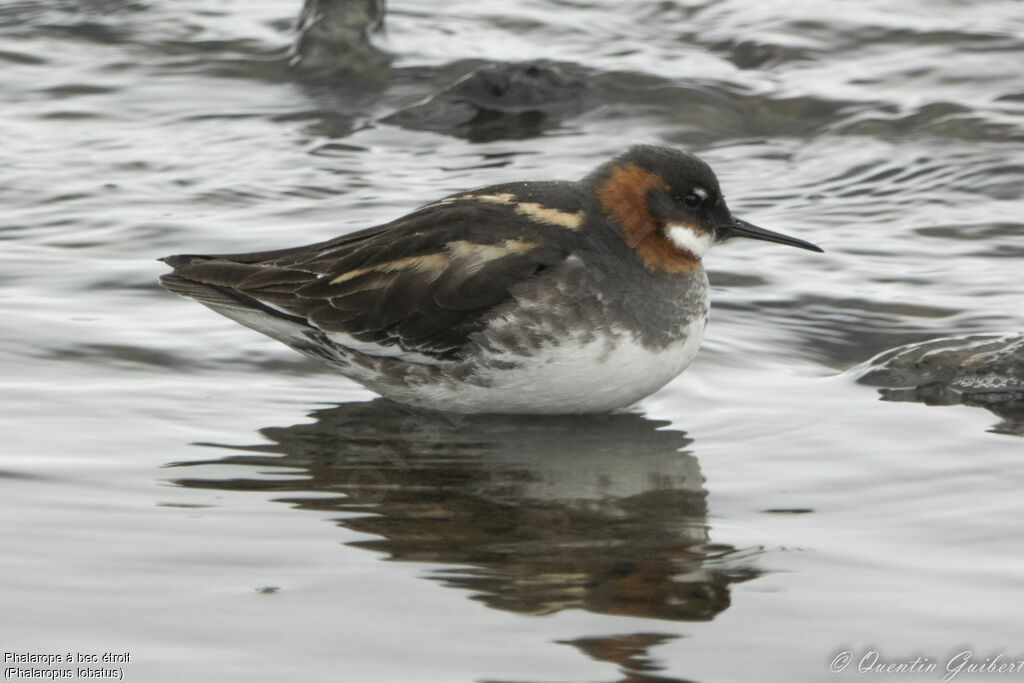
[[176, 487]]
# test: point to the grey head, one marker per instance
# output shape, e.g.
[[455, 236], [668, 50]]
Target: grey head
[[679, 189]]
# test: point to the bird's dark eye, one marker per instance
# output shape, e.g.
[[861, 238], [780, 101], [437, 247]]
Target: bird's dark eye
[[693, 200]]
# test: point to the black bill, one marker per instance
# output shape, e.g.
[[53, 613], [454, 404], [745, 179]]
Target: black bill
[[741, 228]]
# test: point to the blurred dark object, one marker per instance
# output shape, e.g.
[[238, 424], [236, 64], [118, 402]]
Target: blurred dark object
[[985, 370]]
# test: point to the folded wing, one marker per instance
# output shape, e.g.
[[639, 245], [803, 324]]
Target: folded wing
[[422, 284]]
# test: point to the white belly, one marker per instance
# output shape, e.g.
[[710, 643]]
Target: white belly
[[581, 374], [602, 374]]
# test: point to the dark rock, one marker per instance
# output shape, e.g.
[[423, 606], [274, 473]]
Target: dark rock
[[335, 55], [498, 100], [984, 370]]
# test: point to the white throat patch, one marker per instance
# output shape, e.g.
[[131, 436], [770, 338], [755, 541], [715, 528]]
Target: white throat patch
[[685, 237]]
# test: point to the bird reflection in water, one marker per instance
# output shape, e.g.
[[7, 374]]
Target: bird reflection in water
[[531, 514]]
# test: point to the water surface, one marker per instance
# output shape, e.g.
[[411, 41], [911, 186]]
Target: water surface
[[180, 488]]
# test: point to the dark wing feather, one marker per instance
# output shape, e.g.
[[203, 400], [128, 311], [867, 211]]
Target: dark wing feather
[[424, 282]]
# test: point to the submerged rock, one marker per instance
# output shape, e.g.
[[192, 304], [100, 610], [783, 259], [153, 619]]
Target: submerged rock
[[984, 370], [334, 49], [504, 98], [334, 37]]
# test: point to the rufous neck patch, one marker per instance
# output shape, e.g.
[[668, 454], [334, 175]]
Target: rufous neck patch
[[624, 197]]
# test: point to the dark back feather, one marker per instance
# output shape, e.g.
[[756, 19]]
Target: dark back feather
[[424, 282]]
